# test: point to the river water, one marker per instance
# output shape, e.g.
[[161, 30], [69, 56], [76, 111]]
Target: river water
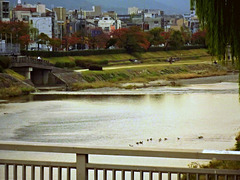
[[113, 117]]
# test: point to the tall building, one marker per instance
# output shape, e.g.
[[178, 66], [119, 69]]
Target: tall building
[[61, 20], [4, 10]]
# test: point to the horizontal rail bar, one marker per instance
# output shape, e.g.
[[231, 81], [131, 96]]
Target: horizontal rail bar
[[38, 163], [145, 152], [162, 169]]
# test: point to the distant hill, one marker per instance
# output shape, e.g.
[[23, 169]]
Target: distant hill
[[120, 6]]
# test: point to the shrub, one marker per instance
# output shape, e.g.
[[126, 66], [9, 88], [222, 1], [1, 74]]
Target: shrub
[[60, 64], [72, 53], [70, 64], [83, 63], [1, 69], [102, 62], [4, 62], [95, 68]]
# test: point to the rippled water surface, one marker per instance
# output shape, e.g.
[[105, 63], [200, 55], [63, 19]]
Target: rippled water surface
[[113, 117], [120, 117]]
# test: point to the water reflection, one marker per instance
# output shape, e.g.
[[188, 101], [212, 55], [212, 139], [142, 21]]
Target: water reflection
[[119, 118], [123, 120]]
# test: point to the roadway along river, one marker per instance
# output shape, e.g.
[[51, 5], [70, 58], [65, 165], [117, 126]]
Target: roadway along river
[[113, 117]]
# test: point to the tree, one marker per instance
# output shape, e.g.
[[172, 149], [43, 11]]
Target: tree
[[155, 37], [118, 36], [98, 40], [55, 43], [132, 39], [221, 20], [43, 39], [12, 31], [166, 37], [176, 39], [199, 37], [186, 34], [24, 41]]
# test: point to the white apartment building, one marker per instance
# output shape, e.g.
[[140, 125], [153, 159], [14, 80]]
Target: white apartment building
[[43, 24], [108, 24], [132, 10]]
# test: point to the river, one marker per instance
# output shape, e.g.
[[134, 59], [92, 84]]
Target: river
[[114, 117]]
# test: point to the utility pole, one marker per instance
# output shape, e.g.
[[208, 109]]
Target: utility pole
[[143, 18]]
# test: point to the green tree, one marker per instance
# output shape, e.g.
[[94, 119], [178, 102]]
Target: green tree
[[221, 20], [186, 34], [155, 37], [176, 40], [55, 43], [43, 39]]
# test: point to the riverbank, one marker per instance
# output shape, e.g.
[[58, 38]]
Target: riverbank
[[156, 75], [11, 86], [152, 69]]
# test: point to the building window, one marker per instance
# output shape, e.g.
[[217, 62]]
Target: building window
[[25, 18], [155, 22], [106, 29]]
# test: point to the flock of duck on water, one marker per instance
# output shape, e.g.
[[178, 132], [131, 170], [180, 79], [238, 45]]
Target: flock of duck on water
[[159, 140]]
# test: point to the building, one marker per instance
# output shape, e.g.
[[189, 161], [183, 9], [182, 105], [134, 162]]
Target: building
[[111, 14], [96, 12], [61, 21], [191, 21], [41, 8], [43, 24], [4, 11], [132, 10], [23, 12], [108, 24]]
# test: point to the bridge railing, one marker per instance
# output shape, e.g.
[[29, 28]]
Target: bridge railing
[[82, 169], [30, 60]]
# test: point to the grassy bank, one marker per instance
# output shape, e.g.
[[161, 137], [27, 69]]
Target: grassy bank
[[147, 57], [116, 77], [12, 84]]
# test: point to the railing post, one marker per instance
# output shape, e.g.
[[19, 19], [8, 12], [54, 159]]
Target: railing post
[[82, 172]]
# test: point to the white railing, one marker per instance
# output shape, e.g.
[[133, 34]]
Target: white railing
[[81, 169]]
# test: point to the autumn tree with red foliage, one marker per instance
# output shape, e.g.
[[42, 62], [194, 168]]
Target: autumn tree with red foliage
[[166, 36], [24, 41], [132, 39], [12, 31], [199, 37], [98, 41]]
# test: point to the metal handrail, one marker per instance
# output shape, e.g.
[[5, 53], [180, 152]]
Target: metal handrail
[[83, 167], [144, 152]]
